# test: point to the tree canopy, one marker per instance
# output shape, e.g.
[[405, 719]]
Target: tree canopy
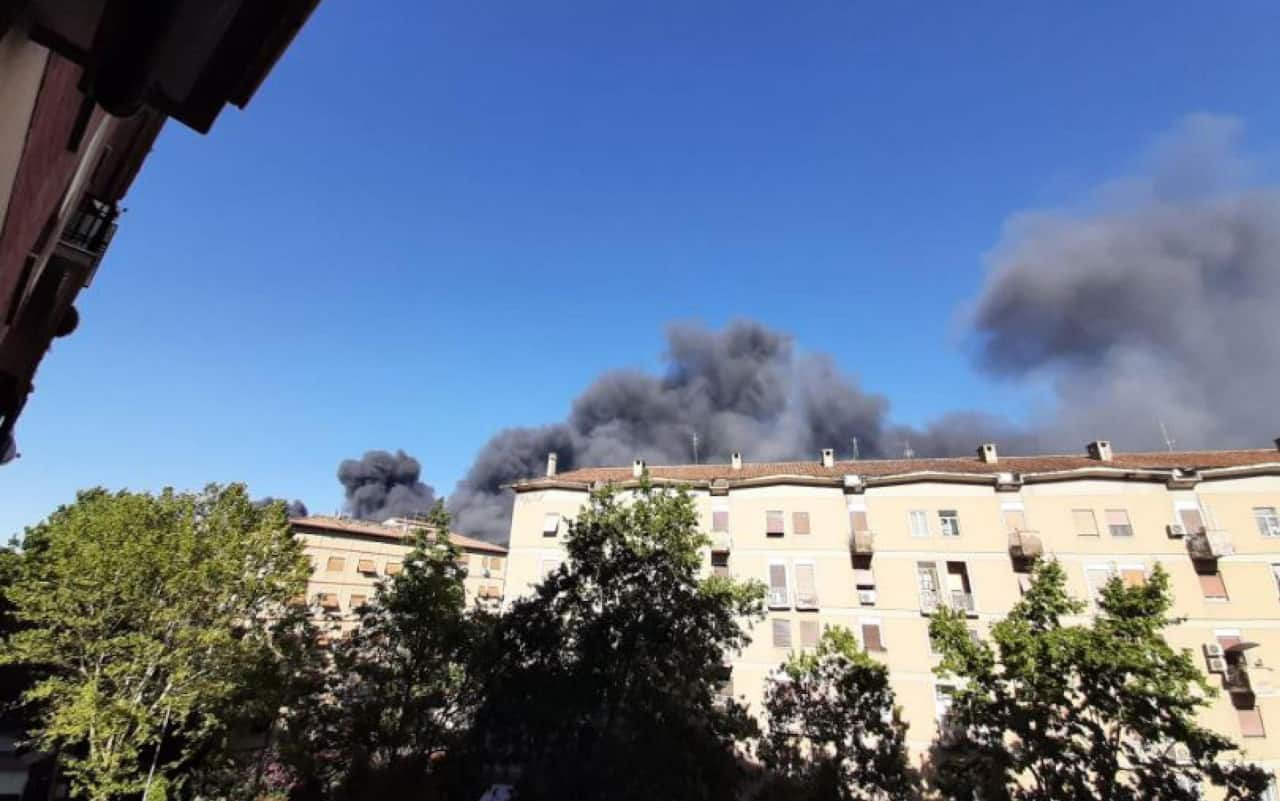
[[1105, 709]]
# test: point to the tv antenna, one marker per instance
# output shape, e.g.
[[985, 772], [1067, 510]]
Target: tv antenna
[[1164, 432], [695, 447], [854, 440], [907, 453]]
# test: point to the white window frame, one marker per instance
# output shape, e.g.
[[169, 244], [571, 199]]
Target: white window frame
[[940, 709], [1095, 593], [1107, 522], [953, 518], [914, 516], [1272, 518], [768, 582], [817, 598], [550, 529], [1180, 506], [791, 634]]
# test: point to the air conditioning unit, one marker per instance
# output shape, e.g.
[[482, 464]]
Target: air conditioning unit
[[867, 597], [1212, 650], [1217, 664], [1176, 531]]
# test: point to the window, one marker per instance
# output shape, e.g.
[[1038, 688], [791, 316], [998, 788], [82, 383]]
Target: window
[[490, 591], [773, 523], [367, 567], [493, 564], [806, 586], [550, 524], [328, 601], [949, 520], [1251, 722], [1118, 523], [1190, 516], [800, 522], [336, 564], [942, 697], [808, 634], [1133, 576], [919, 522], [781, 632], [778, 595], [1097, 578], [393, 569], [1213, 587], [871, 638], [1268, 521], [961, 592], [1085, 522], [720, 563], [858, 520], [357, 601], [720, 519]]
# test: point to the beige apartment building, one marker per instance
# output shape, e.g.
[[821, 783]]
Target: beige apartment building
[[348, 557], [878, 545]]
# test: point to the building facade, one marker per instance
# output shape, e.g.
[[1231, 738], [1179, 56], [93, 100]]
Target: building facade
[[878, 545], [348, 557]]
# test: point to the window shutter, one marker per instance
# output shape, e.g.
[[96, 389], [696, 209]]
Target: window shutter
[[1085, 522], [808, 634], [1228, 641], [781, 633], [336, 564], [1192, 520], [858, 520], [393, 568], [800, 522], [720, 521], [1212, 585], [778, 595], [1133, 578], [1251, 722], [357, 601], [806, 589], [871, 637], [366, 566], [773, 523]]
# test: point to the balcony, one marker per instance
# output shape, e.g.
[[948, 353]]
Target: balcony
[[1209, 544], [1025, 545], [958, 600], [860, 543], [721, 541], [1236, 680], [87, 233]]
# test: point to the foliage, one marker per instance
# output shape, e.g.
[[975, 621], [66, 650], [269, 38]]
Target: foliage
[[1048, 710], [399, 696], [834, 729], [147, 616], [602, 684]]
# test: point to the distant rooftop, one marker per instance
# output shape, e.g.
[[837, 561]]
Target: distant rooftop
[[980, 467], [391, 530]]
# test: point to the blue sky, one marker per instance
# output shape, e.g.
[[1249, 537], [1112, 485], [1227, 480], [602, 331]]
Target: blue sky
[[439, 219]]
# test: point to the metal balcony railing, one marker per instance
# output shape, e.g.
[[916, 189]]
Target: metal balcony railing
[[959, 600], [861, 543], [91, 226], [1025, 545], [1209, 544], [1236, 680]]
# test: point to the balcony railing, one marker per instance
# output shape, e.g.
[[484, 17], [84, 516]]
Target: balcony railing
[[958, 600], [1025, 545], [1209, 544], [1236, 680], [860, 543], [721, 541], [86, 235]]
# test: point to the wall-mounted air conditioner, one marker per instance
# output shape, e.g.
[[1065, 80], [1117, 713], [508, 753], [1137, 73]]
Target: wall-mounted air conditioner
[[1176, 531], [867, 597]]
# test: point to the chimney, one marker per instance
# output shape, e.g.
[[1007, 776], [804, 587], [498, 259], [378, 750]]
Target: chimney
[[637, 468], [828, 457], [1100, 449], [736, 460], [987, 453], [551, 464]]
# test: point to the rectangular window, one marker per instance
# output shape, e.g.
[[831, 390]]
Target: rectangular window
[[367, 567], [1213, 587], [942, 696], [781, 632], [392, 569], [773, 523], [336, 564], [871, 639], [800, 522], [778, 595], [858, 520], [328, 601], [1085, 522], [1191, 518], [949, 521], [961, 592], [1097, 578], [919, 523], [493, 564], [806, 586], [490, 591], [550, 524], [1251, 722], [720, 521], [808, 634], [720, 563], [1118, 523], [357, 601], [1268, 521], [1133, 576]]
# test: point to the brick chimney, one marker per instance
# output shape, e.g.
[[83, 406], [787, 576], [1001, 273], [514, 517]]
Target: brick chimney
[[828, 457], [735, 460], [1100, 449], [637, 468], [551, 464], [987, 453]]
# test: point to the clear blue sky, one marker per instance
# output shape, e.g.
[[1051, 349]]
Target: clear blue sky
[[440, 218]]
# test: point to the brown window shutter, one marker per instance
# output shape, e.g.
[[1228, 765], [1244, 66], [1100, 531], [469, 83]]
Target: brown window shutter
[[1251, 722], [808, 634], [800, 522], [864, 578], [1085, 521], [858, 521], [806, 586], [1192, 520], [1133, 578], [1212, 585], [1228, 641], [366, 566], [871, 637], [336, 564], [358, 601], [781, 633], [720, 521], [773, 523], [393, 568], [778, 595]]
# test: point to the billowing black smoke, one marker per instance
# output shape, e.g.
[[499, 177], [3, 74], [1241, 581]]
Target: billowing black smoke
[[380, 485], [294, 508], [1159, 305]]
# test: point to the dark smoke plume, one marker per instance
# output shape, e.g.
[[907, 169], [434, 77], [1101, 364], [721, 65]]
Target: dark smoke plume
[[1160, 305], [294, 508], [380, 485]]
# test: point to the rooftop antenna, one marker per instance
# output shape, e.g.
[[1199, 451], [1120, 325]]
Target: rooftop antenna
[[907, 453], [695, 447], [1164, 432], [854, 440]]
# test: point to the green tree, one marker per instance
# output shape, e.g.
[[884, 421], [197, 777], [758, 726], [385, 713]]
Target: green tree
[[834, 730], [399, 697], [1101, 710], [147, 616], [603, 683]]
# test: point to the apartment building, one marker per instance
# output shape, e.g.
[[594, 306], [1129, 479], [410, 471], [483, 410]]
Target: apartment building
[[348, 557], [879, 545]]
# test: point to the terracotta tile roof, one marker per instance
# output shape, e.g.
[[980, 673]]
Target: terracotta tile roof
[[346, 525], [876, 468]]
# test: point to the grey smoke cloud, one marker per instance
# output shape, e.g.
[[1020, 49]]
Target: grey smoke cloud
[[380, 485], [1158, 304], [294, 508]]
